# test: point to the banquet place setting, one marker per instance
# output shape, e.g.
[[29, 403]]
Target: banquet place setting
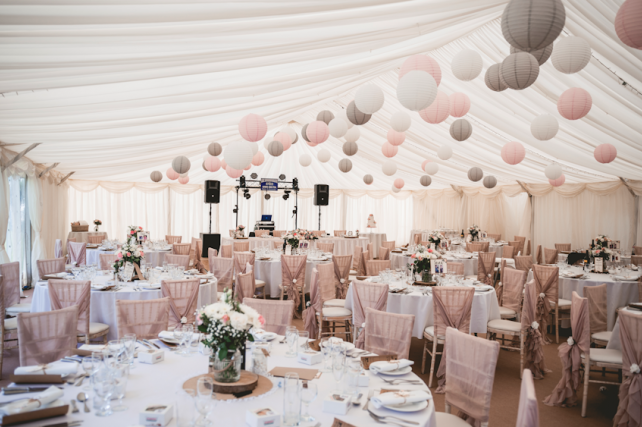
[[418, 213]]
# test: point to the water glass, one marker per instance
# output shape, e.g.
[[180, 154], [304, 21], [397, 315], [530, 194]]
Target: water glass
[[338, 366], [188, 332], [291, 400], [326, 351], [352, 377], [204, 400], [103, 382], [120, 373], [185, 408], [115, 348], [129, 344], [291, 339], [309, 392], [304, 341]]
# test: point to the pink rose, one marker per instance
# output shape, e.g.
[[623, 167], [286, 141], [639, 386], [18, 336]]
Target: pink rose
[[120, 255], [141, 253], [199, 321], [261, 320], [140, 228], [225, 318], [132, 232], [129, 254], [413, 256]]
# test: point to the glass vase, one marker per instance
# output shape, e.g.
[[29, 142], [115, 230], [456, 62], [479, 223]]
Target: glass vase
[[227, 370], [426, 276]]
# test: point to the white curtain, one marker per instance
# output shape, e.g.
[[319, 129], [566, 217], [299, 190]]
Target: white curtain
[[35, 202], [4, 213], [55, 221], [394, 217]]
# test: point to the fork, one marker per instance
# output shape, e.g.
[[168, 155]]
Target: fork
[[401, 381], [380, 421], [383, 417]]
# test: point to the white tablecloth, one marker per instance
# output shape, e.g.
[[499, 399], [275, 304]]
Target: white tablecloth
[[83, 236], [270, 273], [493, 247], [103, 303], [345, 246], [624, 260], [615, 343], [376, 239], [470, 265], [156, 258], [255, 242], [485, 308], [93, 256]]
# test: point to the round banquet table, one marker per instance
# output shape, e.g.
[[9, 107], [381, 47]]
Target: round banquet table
[[485, 308], [83, 236], [158, 384], [498, 248], [157, 257], [255, 242], [615, 343], [270, 273], [103, 303], [376, 239], [624, 260], [346, 245], [470, 264], [93, 256]]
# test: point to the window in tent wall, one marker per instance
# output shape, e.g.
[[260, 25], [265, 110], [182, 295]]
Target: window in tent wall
[[394, 217], [18, 242]]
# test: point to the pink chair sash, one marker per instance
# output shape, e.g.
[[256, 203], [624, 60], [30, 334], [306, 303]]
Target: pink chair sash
[[527, 412], [327, 289], [546, 280], [58, 248], [326, 247], [48, 336], [370, 251], [50, 266], [173, 239], [293, 273], [241, 260], [10, 272], [390, 245], [77, 253], [240, 246], [539, 255], [180, 260], [181, 249], [388, 333], [563, 246], [222, 269], [341, 272], [367, 295], [146, 319], [245, 286], [67, 293], [524, 262], [474, 247], [550, 256], [373, 267], [596, 296], [183, 297], [456, 268], [277, 314], [629, 411], [362, 265], [485, 267], [310, 313], [533, 341], [384, 253], [508, 252]]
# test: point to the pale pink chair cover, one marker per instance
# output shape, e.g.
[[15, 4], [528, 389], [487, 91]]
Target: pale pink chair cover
[[173, 239], [636, 259], [195, 255], [637, 250], [522, 241], [58, 248], [390, 245], [107, 261], [508, 252], [339, 233], [564, 393], [326, 288], [365, 256], [181, 248], [452, 308], [278, 233], [596, 296], [341, 265], [77, 253], [547, 283], [180, 260], [373, 267], [293, 276], [226, 251], [486, 267], [388, 333], [244, 286], [513, 287], [241, 260], [524, 262], [499, 286], [470, 367], [533, 340], [516, 245], [69, 241], [485, 246], [456, 268], [527, 412], [10, 273], [367, 295], [50, 266], [550, 256], [496, 237], [319, 233], [66, 293], [183, 298], [277, 314], [356, 258], [310, 314], [48, 336], [370, 251], [473, 247], [146, 319], [326, 247], [241, 246], [563, 247], [417, 238], [260, 233], [540, 259], [629, 411], [384, 253], [223, 270], [211, 253], [528, 248], [96, 240]]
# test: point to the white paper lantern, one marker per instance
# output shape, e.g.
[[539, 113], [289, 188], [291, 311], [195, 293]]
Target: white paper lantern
[[323, 156], [425, 180], [389, 168], [467, 65], [338, 127], [416, 90], [431, 168], [553, 171], [519, 70], [533, 24], [291, 133], [461, 129], [303, 129], [400, 121], [344, 116], [214, 149], [350, 148], [490, 181], [395, 189], [571, 55], [181, 164], [356, 116], [369, 99], [325, 116], [305, 160], [493, 78], [544, 127], [422, 63], [475, 174], [254, 147], [353, 134], [238, 155], [368, 179], [156, 176], [345, 165], [445, 152], [275, 148], [541, 55]]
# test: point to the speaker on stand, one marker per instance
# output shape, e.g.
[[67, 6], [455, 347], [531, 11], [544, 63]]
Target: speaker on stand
[[212, 195], [321, 197]]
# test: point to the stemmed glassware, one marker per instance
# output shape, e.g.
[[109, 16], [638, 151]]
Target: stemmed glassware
[[204, 400], [129, 345], [338, 365], [186, 339], [308, 394]]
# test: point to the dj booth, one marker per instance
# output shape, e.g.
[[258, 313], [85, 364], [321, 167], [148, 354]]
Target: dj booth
[[265, 223]]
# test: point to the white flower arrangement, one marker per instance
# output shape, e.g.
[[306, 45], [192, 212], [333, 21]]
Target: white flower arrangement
[[474, 231], [435, 237], [342, 281], [602, 241], [422, 256], [128, 253], [570, 341], [602, 252], [542, 295], [535, 325], [635, 369]]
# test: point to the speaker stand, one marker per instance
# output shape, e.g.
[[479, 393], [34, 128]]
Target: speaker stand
[[319, 218]]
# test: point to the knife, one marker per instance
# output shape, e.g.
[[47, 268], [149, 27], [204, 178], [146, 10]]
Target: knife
[[18, 390], [144, 343], [67, 424], [152, 343]]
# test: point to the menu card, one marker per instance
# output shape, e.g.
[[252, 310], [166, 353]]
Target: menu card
[[339, 423], [599, 265], [304, 374], [129, 271]]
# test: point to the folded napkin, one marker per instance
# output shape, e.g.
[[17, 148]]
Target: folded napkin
[[166, 335], [400, 397], [93, 347], [53, 368], [393, 365], [39, 401]]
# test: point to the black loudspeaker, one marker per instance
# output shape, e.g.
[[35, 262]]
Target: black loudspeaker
[[212, 191], [321, 195], [210, 241]]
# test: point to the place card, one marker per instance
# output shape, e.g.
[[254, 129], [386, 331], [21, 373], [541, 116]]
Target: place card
[[336, 403], [599, 265], [315, 345], [129, 271], [367, 360], [310, 357], [339, 423], [263, 417], [156, 415]]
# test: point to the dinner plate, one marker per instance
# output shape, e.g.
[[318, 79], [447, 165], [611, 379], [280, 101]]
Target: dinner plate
[[172, 341], [398, 372], [408, 407], [265, 336]]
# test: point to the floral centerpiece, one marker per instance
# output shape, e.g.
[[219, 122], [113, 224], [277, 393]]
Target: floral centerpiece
[[239, 231], [292, 238], [128, 253], [602, 252], [226, 327], [421, 261], [602, 241], [473, 230], [435, 237], [133, 231], [97, 224]]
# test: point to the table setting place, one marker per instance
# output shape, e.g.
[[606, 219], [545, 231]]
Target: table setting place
[[616, 273]]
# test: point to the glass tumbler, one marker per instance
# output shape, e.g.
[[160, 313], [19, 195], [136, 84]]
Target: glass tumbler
[[291, 400]]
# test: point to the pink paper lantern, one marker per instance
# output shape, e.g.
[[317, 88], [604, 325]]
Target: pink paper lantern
[[421, 63], [389, 150], [557, 182], [605, 153], [183, 179], [423, 164], [396, 138], [513, 153], [311, 144], [574, 103], [248, 167], [233, 173], [223, 164], [317, 132], [399, 183], [284, 139], [253, 127], [628, 23], [258, 159], [459, 104], [172, 174], [212, 163], [438, 111]]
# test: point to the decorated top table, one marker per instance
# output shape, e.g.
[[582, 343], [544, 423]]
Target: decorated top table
[[400, 260], [255, 242], [83, 236], [376, 239], [270, 272], [346, 245]]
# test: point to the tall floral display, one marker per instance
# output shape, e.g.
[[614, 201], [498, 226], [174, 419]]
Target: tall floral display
[[133, 231], [421, 260], [293, 238], [128, 253], [473, 230]]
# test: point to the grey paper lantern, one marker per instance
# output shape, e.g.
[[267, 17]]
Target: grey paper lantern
[[296, 138], [425, 180], [490, 181], [350, 148], [533, 24], [355, 116], [156, 176], [181, 164], [305, 127], [461, 129], [493, 79], [368, 179], [325, 116], [541, 55], [345, 165], [475, 174], [204, 168], [519, 70], [275, 148], [571, 55], [214, 149]]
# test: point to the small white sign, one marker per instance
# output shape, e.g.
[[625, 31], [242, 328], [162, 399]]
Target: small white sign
[[129, 271], [599, 265]]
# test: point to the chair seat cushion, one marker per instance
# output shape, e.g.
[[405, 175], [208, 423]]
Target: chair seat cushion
[[507, 312], [605, 356], [336, 312], [335, 303], [353, 272], [259, 283], [505, 325], [564, 303], [23, 307], [602, 336], [11, 324], [96, 328], [449, 420]]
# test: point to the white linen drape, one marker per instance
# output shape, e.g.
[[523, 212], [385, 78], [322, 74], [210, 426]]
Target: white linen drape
[[35, 202], [4, 213]]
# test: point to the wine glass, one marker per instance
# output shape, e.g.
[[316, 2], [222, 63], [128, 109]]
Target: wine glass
[[338, 366], [204, 400], [115, 347], [308, 394], [326, 351], [120, 372]]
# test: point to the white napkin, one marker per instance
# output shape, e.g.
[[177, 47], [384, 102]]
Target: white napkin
[[166, 335], [400, 398], [42, 399], [93, 347], [393, 365], [53, 368]]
